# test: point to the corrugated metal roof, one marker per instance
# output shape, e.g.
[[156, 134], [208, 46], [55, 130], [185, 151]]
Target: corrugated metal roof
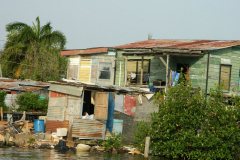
[[86, 51], [23, 86], [104, 88], [181, 44]]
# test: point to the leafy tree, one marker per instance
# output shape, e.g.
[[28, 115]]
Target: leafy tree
[[31, 102], [2, 99], [33, 52], [188, 126]]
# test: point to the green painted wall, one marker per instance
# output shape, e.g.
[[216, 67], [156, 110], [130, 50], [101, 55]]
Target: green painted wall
[[119, 71], [198, 68], [218, 57]]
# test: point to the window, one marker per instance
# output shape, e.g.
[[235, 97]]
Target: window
[[225, 76], [134, 71], [104, 70]]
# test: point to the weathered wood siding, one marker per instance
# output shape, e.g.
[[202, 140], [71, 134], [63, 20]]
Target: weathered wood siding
[[230, 56], [95, 71], [101, 106], [73, 109], [72, 71]]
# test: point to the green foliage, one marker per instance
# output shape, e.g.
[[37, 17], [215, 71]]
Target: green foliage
[[33, 52], [141, 132], [2, 98], [191, 127], [31, 102], [113, 142], [31, 141]]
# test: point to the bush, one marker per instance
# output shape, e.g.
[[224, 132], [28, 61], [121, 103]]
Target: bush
[[141, 132], [188, 126], [31, 102], [2, 99], [113, 142]]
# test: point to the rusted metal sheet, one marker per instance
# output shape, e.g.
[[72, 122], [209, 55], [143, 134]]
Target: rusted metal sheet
[[130, 105], [52, 125], [88, 129], [56, 94], [181, 44], [56, 108], [84, 51]]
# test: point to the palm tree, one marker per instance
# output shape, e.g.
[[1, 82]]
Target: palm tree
[[33, 51]]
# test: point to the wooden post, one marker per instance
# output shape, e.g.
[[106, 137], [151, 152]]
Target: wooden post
[[1, 110], [167, 73], [125, 71], [141, 76], [147, 144]]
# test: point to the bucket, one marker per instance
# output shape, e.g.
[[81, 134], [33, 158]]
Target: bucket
[[38, 126], [117, 126]]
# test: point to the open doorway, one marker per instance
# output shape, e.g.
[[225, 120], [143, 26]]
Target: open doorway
[[88, 106], [184, 70]]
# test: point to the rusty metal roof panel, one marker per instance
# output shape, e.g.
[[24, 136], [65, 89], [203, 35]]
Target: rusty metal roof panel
[[87, 51], [181, 44], [88, 129], [25, 88], [52, 125]]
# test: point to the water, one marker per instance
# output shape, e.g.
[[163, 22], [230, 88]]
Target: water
[[50, 154]]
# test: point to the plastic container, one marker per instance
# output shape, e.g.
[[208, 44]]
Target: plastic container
[[39, 126], [117, 126], [61, 132]]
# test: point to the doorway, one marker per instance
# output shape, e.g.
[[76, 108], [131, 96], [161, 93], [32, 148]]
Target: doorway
[[88, 107]]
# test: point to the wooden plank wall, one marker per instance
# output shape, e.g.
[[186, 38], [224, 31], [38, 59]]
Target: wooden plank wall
[[73, 109], [231, 56], [96, 59]]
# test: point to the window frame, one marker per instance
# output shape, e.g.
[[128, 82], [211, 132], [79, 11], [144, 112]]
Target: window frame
[[100, 70], [138, 69]]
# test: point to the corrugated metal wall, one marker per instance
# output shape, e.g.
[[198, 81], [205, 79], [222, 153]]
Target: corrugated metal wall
[[88, 129]]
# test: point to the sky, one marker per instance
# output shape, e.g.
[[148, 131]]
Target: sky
[[106, 23]]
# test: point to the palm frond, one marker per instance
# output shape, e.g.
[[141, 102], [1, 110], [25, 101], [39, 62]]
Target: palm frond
[[46, 29], [56, 38], [15, 26]]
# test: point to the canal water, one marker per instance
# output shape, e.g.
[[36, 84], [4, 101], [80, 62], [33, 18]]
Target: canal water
[[13, 153]]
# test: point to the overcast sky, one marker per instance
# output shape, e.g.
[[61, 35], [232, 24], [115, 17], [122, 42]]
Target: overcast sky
[[93, 23]]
